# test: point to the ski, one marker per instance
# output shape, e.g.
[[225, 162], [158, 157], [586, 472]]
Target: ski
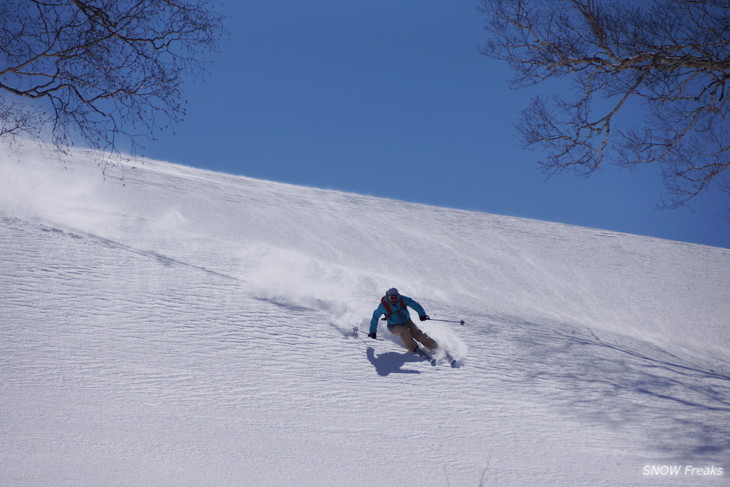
[[428, 355], [424, 354], [452, 361]]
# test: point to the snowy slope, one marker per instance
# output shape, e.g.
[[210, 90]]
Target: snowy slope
[[186, 327]]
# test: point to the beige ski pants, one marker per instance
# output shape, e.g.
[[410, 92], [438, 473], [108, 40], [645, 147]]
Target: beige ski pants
[[410, 333]]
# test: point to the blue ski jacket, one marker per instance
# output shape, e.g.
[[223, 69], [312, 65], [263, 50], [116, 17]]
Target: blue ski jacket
[[398, 314]]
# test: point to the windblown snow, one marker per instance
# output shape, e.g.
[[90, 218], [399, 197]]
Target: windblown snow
[[180, 327]]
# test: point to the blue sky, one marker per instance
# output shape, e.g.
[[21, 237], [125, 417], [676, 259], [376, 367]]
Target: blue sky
[[393, 99]]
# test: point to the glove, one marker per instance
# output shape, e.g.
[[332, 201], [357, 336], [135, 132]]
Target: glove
[[373, 335], [424, 317]]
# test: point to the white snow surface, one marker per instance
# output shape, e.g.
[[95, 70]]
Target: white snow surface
[[181, 327]]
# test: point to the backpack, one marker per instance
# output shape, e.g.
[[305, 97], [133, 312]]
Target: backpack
[[386, 305]]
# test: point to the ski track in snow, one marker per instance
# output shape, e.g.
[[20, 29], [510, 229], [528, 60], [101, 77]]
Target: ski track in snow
[[193, 328]]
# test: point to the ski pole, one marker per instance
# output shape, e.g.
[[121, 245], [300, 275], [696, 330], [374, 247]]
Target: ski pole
[[461, 322], [356, 330]]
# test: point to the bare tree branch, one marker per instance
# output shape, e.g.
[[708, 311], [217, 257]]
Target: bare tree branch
[[672, 55], [99, 69]]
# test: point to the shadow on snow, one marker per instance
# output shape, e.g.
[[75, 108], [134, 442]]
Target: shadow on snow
[[629, 385], [392, 362]]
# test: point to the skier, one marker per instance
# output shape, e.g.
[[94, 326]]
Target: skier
[[395, 308]]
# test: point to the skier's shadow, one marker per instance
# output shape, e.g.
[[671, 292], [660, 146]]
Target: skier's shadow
[[391, 362]]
